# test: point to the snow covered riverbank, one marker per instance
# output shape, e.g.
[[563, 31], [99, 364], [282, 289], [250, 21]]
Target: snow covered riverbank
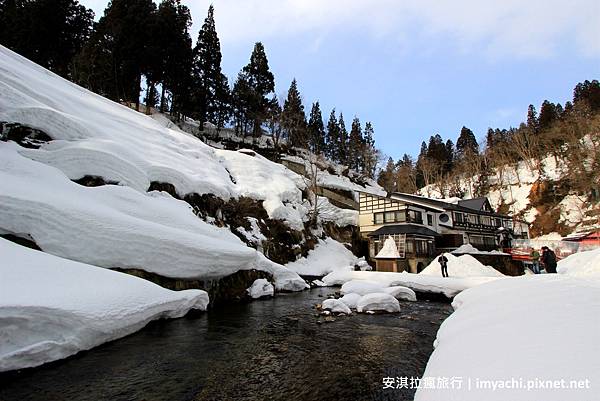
[[527, 338], [51, 308], [447, 286]]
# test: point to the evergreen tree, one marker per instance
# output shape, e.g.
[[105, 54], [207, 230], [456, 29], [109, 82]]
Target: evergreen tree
[[333, 137], [342, 147], [120, 45], [293, 119], [387, 176], [316, 129], [466, 143], [242, 98], [48, 32], [261, 83], [171, 55], [587, 92], [449, 156], [211, 91], [355, 145], [548, 115], [369, 158], [532, 122]]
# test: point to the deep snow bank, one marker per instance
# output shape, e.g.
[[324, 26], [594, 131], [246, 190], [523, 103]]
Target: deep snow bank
[[581, 264], [328, 255], [51, 307], [498, 334], [116, 226], [461, 266]]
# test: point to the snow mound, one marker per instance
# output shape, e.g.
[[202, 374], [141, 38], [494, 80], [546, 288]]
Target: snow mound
[[378, 302], [557, 340], [400, 292], [468, 248], [461, 266], [361, 287], [447, 286], [328, 255], [389, 249], [261, 288], [351, 300], [336, 306], [581, 264], [51, 308], [116, 226]]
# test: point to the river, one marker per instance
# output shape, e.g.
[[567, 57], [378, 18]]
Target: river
[[275, 349]]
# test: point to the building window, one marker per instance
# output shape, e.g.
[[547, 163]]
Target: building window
[[415, 216], [458, 217], [429, 220], [472, 219], [398, 216], [486, 221]]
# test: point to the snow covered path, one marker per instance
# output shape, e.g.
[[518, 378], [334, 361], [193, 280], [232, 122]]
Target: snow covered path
[[51, 308], [518, 333]]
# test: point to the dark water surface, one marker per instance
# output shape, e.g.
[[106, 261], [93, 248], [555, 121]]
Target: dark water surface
[[266, 350]]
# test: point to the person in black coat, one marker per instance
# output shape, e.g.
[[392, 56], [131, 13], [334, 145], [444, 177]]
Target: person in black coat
[[548, 259], [443, 261]]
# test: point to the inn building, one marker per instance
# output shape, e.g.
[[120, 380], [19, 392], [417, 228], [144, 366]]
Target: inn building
[[422, 228]]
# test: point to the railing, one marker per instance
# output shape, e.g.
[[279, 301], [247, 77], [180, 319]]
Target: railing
[[477, 226]]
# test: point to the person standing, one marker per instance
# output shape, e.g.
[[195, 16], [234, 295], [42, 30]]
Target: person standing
[[549, 259], [535, 261], [443, 261]]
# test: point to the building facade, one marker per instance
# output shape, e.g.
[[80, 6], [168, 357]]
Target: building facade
[[423, 227]]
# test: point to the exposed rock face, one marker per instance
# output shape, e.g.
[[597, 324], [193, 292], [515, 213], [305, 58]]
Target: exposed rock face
[[229, 289], [94, 181], [23, 135]]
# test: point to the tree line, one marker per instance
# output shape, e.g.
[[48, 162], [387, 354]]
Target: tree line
[[137, 45], [570, 134]]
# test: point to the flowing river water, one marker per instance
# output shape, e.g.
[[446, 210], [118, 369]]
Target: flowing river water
[[275, 349]]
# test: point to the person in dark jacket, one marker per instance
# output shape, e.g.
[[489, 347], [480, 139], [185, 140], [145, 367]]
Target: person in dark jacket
[[443, 261], [548, 259]]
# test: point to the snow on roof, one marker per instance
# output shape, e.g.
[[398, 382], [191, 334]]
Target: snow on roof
[[389, 250]]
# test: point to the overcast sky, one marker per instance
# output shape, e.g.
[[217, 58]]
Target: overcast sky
[[414, 68]]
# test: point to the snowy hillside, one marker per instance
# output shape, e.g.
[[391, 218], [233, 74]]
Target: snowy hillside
[[124, 225], [516, 189]]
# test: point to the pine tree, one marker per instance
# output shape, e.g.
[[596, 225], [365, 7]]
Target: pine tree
[[242, 98], [171, 55], [261, 83], [293, 119], [532, 122], [211, 91], [548, 115], [449, 156], [48, 32], [387, 177], [333, 137], [369, 158], [121, 43], [342, 147], [355, 145], [466, 143], [316, 129]]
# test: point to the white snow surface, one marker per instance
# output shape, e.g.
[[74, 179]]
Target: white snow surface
[[470, 249], [351, 300], [400, 292], [378, 302], [328, 256], [261, 288], [389, 250], [461, 266], [448, 286], [341, 217], [361, 287], [336, 306], [95, 136], [556, 338], [51, 308], [581, 264], [117, 226]]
